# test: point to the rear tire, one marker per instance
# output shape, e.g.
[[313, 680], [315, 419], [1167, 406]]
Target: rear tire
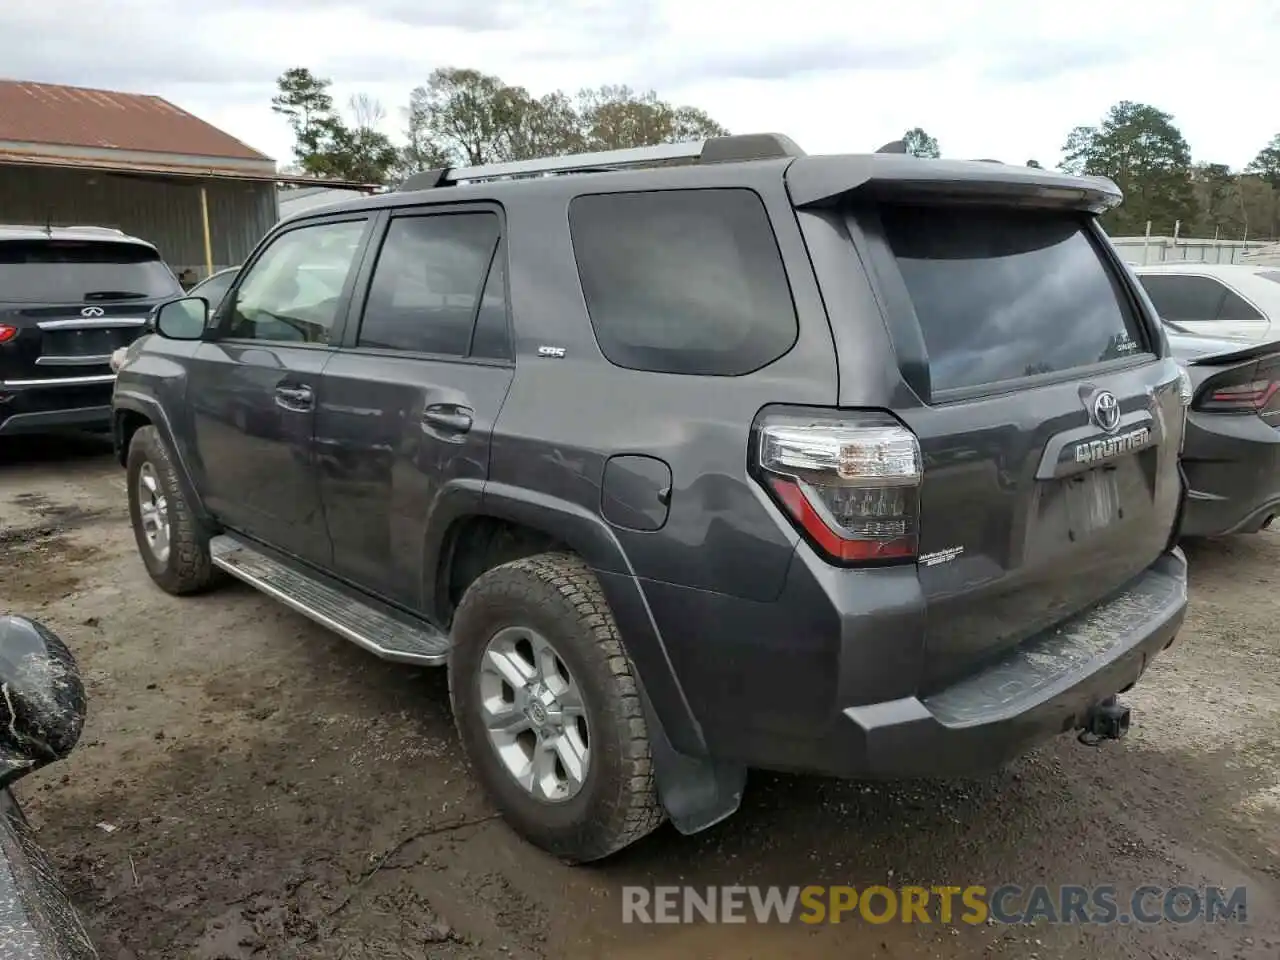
[[173, 544], [555, 601]]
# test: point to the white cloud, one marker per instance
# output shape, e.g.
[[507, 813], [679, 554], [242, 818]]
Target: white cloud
[[989, 78]]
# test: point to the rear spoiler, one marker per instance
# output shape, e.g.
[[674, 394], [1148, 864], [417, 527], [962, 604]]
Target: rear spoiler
[[821, 181], [1254, 351]]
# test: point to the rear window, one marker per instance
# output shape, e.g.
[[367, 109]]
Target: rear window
[[1002, 295], [683, 281], [65, 271]]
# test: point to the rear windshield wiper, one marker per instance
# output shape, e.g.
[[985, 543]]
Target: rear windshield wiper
[[114, 295]]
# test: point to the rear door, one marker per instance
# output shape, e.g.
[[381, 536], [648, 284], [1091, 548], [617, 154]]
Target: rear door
[[407, 408], [1049, 426]]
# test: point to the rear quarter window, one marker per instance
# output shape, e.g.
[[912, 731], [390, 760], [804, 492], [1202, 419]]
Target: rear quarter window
[[1005, 294], [683, 281]]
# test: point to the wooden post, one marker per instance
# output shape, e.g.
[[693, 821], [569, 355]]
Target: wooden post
[[208, 240]]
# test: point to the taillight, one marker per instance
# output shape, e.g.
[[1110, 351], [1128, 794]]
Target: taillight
[[7, 332], [1254, 388], [851, 483]]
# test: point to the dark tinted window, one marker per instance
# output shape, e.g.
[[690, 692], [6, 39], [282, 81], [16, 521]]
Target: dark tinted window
[[54, 271], [1235, 307], [1007, 294], [1183, 299], [427, 283], [686, 281], [292, 292], [492, 339]]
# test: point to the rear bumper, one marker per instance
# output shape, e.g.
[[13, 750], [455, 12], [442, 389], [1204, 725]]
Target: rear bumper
[[54, 406], [1232, 466], [824, 679], [1042, 688]]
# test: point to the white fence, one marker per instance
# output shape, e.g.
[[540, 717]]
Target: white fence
[[1143, 250]]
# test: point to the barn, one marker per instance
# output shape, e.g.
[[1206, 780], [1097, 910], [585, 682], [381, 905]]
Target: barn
[[73, 156]]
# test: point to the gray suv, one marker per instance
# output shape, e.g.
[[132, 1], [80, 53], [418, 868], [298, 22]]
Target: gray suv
[[689, 460]]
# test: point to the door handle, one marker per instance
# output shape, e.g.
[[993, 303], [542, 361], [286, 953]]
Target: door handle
[[447, 418], [295, 398]]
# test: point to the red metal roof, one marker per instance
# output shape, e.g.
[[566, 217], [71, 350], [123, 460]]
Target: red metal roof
[[49, 113]]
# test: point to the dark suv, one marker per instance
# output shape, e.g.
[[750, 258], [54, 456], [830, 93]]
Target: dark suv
[[862, 465], [69, 297]]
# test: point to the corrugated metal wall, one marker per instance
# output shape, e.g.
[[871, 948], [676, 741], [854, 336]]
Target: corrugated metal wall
[[167, 213]]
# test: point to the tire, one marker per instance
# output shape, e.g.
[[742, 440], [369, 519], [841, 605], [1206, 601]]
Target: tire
[[186, 567], [557, 597]]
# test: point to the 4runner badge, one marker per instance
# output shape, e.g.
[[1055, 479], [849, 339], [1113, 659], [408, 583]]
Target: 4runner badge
[[1091, 451]]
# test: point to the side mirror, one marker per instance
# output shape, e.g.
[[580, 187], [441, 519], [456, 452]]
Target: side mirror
[[184, 319], [42, 701]]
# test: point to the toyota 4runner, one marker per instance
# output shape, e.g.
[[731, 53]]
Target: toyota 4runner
[[688, 460], [69, 297]]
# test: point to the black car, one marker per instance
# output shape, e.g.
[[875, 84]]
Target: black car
[[41, 715], [687, 460], [1231, 454], [69, 297]]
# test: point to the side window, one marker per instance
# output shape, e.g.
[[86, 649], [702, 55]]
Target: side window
[[292, 292], [1237, 308], [1184, 299], [683, 281], [427, 283], [492, 339]]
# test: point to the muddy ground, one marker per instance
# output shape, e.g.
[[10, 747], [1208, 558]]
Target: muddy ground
[[250, 785]]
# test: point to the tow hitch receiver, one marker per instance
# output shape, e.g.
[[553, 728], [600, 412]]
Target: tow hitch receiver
[[1107, 720]]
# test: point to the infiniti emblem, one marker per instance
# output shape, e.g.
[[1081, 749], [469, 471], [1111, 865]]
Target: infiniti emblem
[[1106, 411], [92, 312]]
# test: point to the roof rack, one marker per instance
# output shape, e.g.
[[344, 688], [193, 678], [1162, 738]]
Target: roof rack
[[746, 146], [90, 228]]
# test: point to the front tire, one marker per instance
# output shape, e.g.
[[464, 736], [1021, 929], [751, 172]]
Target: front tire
[[548, 711], [173, 544]]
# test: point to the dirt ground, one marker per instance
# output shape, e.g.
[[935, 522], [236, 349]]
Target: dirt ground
[[250, 785]]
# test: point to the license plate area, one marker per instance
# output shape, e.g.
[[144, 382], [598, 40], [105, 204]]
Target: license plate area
[[88, 342], [1092, 501]]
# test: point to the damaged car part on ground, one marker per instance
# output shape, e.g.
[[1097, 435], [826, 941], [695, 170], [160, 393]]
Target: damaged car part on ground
[[42, 713], [846, 509]]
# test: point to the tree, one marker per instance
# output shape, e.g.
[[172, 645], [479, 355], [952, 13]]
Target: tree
[[617, 117], [326, 145], [1222, 212], [1141, 149], [920, 144], [1035, 164], [466, 117], [1267, 163], [304, 100]]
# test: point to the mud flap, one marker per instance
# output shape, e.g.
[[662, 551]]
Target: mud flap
[[696, 792]]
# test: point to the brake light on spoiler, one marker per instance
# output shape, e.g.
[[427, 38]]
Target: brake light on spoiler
[[849, 481]]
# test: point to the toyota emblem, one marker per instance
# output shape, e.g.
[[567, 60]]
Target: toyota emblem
[[1106, 411], [92, 312]]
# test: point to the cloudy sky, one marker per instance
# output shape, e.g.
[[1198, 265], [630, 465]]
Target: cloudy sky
[[988, 78]]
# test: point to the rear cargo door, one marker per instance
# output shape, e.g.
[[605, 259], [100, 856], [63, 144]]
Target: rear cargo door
[[1050, 428], [73, 302]]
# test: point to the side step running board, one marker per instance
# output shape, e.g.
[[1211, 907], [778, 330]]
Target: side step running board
[[380, 633]]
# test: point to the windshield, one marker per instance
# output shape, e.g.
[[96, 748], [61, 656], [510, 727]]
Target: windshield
[[70, 271]]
